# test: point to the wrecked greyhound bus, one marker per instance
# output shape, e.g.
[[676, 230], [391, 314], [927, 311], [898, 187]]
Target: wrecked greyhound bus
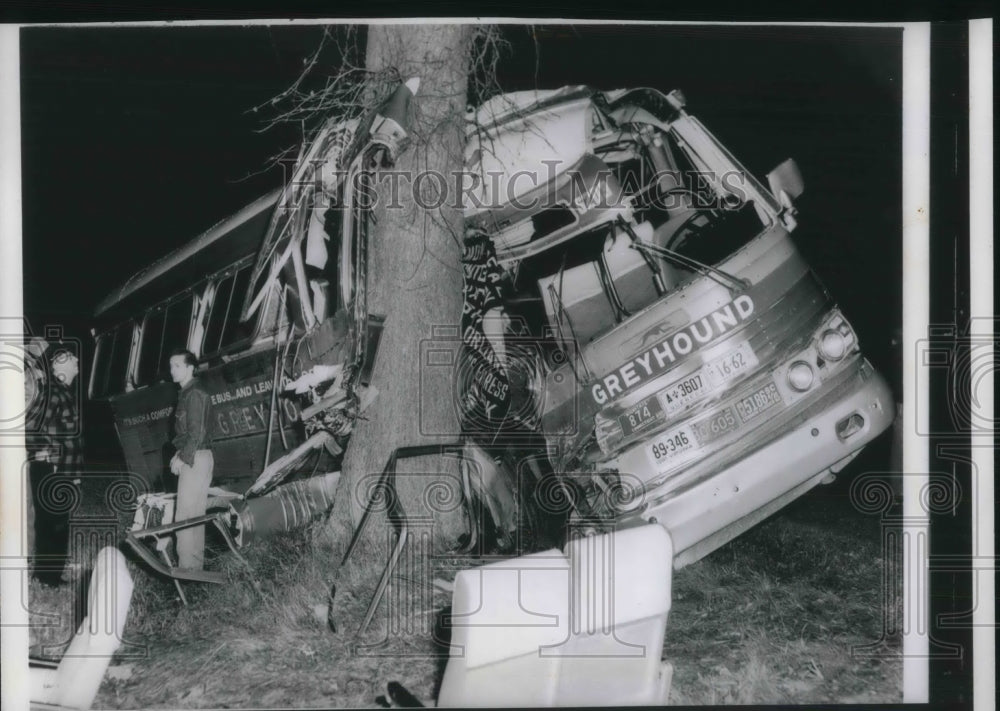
[[192, 298], [694, 371], [272, 302]]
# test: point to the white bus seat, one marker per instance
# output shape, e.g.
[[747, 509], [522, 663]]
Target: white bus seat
[[501, 615], [621, 593], [74, 683], [586, 309], [582, 629]]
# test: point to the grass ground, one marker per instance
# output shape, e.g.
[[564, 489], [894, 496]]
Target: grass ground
[[775, 616], [770, 618]]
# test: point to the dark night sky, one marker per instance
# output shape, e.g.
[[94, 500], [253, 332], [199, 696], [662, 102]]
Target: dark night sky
[[135, 140]]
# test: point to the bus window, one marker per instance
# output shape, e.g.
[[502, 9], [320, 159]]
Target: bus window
[[224, 327], [149, 349], [111, 361], [218, 315], [165, 329], [235, 330]]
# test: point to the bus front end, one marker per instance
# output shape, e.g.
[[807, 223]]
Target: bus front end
[[710, 378]]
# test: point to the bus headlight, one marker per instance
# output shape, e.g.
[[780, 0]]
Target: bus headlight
[[832, 345], [800, 376]]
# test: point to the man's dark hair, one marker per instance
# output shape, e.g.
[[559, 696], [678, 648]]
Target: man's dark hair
[[189, 357]]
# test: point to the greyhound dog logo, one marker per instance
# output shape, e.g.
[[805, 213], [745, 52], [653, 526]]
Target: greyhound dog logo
[[656, 334]]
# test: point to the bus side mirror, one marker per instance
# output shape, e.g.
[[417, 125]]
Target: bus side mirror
[[786, 183]]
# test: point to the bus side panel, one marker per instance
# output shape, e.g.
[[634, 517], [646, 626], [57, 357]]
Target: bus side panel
[[143, 418], [241, 412]]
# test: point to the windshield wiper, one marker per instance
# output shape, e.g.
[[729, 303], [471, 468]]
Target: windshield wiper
[[730, 281], [556, 294]]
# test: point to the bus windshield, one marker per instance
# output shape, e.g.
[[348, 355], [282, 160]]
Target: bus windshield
[[684, 223]]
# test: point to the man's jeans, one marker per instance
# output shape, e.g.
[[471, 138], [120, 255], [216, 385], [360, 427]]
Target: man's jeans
[[192, 495]]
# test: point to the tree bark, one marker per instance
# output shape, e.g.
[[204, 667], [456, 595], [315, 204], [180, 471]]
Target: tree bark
[[415, 281]]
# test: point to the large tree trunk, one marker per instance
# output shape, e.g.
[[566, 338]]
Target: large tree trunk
[[414, 280]]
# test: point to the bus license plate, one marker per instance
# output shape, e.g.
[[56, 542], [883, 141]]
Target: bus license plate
[[645, 414], [716, 425], [672, 448], [676, 396], [730, 366], [687, 390], [753, 405]]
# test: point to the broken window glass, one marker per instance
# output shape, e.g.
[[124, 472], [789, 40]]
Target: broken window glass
[[111, 361], [165, 329]]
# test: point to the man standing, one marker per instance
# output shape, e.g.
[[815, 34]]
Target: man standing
[[56, 462], [193, 462]]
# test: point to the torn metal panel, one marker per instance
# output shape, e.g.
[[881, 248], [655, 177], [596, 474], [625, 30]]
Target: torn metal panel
[[282, 467], [332, 156], [286, 508]]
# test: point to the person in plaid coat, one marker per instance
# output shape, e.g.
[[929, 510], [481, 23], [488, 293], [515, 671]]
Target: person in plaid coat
[[56, 459]]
